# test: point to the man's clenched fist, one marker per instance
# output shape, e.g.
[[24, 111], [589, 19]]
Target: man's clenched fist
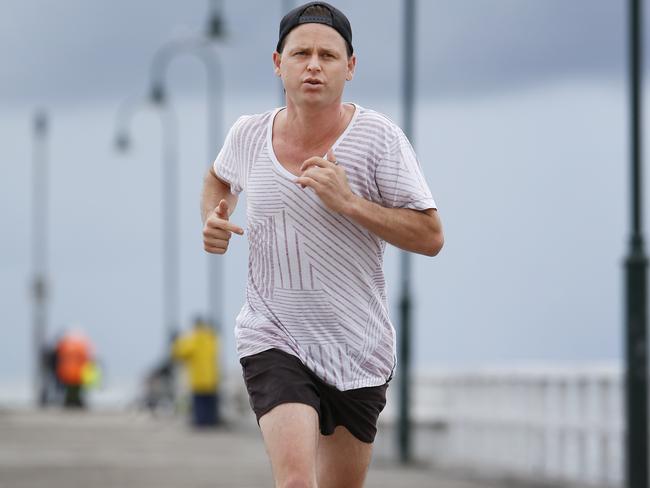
[[217, 230]]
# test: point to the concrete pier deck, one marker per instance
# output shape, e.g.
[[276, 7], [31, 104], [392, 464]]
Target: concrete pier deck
[[57, 449]]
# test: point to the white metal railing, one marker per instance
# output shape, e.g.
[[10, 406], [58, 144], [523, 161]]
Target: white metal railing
[[552, 424]]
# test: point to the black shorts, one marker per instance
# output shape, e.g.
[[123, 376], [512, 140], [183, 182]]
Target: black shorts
[[274, 377]]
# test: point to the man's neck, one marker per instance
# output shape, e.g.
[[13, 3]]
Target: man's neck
[[310, 126]]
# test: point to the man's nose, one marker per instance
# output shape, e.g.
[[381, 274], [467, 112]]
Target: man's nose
[[314, 63]]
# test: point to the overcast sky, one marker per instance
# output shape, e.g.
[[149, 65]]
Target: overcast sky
[[521, 119], [79, 50]]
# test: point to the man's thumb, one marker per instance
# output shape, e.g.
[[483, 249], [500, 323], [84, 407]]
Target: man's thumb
[[222, 210]]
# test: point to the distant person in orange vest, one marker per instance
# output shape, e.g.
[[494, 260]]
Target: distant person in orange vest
[[74, 353], [197, 349]]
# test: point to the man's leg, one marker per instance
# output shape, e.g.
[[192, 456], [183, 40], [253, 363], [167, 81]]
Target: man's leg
[[291, 435], [342, 460]]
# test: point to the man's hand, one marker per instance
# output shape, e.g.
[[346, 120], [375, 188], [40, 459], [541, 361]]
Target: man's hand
[[218, 230], [328, 180]]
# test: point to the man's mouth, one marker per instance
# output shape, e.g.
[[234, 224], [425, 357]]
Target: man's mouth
[[313, 81]]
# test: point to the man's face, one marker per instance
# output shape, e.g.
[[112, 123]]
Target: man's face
[[314, 65]]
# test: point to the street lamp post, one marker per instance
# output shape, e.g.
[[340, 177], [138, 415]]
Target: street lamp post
[[404, 370], [636, 377], [40, 204], [170, 202], [201, 47]]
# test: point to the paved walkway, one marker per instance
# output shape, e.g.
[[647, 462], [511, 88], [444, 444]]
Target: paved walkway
[[129, 450]]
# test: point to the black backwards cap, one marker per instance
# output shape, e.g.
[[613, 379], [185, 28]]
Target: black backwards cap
[[336, 20]]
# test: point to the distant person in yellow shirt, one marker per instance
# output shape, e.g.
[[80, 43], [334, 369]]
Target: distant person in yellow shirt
[[198, 350]]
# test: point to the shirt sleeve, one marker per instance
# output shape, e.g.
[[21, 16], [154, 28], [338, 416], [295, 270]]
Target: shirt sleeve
[[399, 177], [228, 165]]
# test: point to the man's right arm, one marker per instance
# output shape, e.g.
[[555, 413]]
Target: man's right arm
[[215, 190], [217, 203]]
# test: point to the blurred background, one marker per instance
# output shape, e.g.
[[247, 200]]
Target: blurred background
[[521, 127]]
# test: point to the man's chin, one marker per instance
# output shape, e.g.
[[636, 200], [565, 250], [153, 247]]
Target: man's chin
[[314, 100]]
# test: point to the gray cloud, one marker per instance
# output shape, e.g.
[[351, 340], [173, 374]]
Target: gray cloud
[[485, 45], [78, 50]]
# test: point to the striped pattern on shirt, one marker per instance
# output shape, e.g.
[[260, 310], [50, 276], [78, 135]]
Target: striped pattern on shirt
[[315, 284]]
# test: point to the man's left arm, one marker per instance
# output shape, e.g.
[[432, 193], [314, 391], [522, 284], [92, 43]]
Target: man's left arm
[[417, 231]]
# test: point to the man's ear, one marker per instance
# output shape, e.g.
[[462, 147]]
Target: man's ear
[[277, 59], [352, 64]]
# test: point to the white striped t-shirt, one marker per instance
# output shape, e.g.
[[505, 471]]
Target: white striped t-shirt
[[315, 280]]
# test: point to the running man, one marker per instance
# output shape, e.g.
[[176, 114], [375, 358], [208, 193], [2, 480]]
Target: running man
[[328, 184]]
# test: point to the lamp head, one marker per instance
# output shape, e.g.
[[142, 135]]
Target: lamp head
[[215, 27], [40, 122], [122, 142], [157, 94]]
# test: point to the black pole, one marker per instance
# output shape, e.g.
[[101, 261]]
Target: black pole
[[170, 298], [404, 370], [170, 223], [636, 377], [169, 215], [215, 110], [40, 203], [203, 48]]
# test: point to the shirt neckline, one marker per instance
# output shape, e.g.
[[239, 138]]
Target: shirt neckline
[[269, 140]]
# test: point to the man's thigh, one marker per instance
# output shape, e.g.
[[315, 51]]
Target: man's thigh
[[291, 436], [342, 460]]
